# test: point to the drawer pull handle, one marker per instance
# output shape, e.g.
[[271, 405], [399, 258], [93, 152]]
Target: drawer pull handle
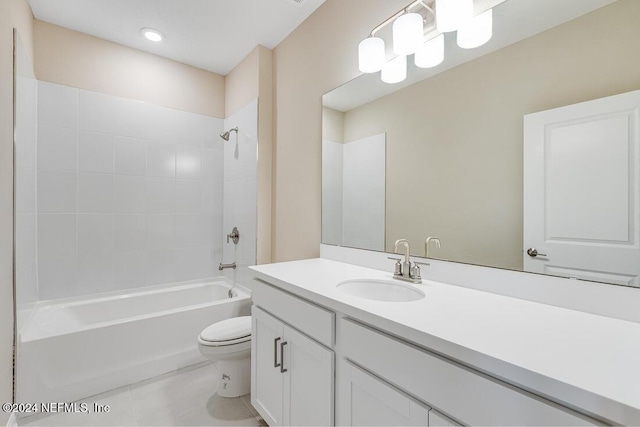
[[275, 352], [282, 369]]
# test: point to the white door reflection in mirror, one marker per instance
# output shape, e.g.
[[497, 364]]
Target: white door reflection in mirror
[[582, 190], [353, 192]]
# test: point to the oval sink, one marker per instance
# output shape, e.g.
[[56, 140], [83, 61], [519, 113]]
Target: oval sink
[[380, 290]]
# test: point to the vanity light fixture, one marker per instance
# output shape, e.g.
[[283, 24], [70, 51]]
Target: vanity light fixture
[[151, 34], [476, 31], [426, 43]]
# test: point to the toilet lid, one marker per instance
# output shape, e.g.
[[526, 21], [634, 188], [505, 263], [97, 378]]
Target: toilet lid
[[228, 330]]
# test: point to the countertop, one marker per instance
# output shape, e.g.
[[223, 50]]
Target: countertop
[[587, 362]]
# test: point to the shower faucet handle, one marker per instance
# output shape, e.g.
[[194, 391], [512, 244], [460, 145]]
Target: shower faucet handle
[[234, 235]]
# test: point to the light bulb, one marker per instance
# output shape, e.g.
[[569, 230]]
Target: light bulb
[[452, 14], [151, 34], [395, 70], [408, 33], [371, 55], [477, 31], [431, 53]]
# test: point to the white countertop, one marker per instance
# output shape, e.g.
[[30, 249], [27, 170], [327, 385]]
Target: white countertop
[[588, 362]]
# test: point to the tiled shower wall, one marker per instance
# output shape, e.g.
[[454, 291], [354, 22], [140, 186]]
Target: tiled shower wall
[[25, 186], [129, 194], [240, 185]]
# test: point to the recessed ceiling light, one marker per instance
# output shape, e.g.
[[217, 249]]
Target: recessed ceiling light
[[151, 34]]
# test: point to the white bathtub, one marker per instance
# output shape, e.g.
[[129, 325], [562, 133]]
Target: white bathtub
[[77, 348]]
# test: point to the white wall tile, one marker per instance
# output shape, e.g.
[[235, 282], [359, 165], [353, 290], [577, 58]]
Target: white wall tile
[[57, 105], [25, 238], [195, 263], [57, 148], [130, 194], [212, 128], [188, 128], [163, 124], [129, 269], [25, 189], [95, 193], [95, 152], [160, 267], [56, 235], [188, 231], [96, 112], [130, 156], [188, 196], [130, 232], [212, 165], [188, 162], [160, 195], [57, 192], [57, 277], [161, 231], [132, 118], [95, 233], [95, 272], [161, 159], [212, 197]]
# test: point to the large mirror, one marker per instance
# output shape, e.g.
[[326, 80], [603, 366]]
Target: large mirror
[[454, 144]]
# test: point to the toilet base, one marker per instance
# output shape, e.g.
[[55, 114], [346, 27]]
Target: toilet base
[[235, 377]]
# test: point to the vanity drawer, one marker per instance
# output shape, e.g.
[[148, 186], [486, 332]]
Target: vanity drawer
[[305, 316], [464, 394]]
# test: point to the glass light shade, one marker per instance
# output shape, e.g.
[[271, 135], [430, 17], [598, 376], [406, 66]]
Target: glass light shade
[[408, 33], [395, 70], [476, 32], [452, 14], [371, 55], [431, 53]]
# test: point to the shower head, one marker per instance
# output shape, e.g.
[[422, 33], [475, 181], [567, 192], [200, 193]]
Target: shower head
[[225, 135]]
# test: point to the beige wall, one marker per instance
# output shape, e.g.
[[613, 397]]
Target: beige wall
[[458, 137], [14, 13], [253, 78], [75, 59], [332, 125], [317, 57]]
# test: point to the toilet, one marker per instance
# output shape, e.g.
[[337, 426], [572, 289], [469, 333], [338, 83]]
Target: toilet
[[229, 344]]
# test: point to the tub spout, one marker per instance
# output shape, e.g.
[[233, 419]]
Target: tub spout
[[223, 266]]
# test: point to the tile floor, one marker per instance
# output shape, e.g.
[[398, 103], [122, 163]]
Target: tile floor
[[186, 397]]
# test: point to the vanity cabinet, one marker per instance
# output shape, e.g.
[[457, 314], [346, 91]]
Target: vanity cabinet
[[466, 394], [298, 348], [370, 401], [292, 378]]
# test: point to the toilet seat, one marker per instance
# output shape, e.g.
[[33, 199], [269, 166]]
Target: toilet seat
[[236, 330]]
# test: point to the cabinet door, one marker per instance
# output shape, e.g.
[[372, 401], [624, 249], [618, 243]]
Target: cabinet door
[[308, 387], [369, 401], [266, 378]]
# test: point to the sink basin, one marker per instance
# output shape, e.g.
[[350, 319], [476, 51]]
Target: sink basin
[[381, 290]]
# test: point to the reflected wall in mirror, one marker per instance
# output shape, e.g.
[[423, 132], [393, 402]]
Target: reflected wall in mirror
[[455, 134], [353, 187]]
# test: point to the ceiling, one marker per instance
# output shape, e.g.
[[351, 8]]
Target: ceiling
[[211, 34]]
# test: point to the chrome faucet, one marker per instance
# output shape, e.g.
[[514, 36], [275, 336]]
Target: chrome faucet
[[405, 270], [427, 242]]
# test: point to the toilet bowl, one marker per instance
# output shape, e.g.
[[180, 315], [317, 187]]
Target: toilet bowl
[[229, 344]]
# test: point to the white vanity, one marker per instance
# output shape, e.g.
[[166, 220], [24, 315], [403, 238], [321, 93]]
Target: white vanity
[[458, 356]]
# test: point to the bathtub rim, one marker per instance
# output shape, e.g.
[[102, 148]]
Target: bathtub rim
[[242, 293]]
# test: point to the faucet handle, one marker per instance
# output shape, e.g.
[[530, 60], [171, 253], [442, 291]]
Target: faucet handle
[[398, 267], [421, 263]]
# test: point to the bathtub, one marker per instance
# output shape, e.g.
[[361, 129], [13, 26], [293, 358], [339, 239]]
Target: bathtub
[[77, 348]]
